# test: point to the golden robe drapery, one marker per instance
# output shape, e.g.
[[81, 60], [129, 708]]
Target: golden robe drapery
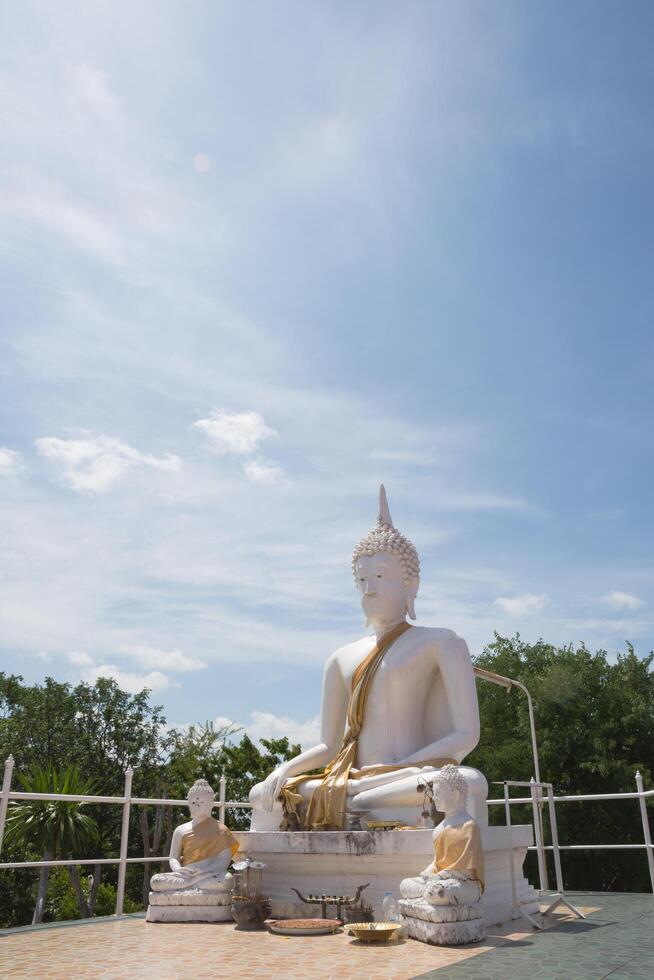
[[206, 840], [459, 849], [327, 808]]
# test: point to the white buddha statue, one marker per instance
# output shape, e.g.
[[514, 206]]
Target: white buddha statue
[[396, 706], [198, 882], [441, 904]]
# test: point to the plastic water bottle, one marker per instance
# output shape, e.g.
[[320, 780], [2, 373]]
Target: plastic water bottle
[[390, 908]]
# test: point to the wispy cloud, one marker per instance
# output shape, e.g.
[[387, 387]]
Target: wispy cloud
[[234, 432], [90, 671], [97, 463], [10, 462], [266, 724], [239, 434], [522, 605], [148, 656], [622, 600]]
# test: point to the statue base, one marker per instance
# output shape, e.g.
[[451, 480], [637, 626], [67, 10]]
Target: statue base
[[337, 862], [444, 933], [188, 913], [189, 906], [443, 925]]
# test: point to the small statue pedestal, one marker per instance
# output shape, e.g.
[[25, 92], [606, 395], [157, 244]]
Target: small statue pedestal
[[337, 862], [191, 905], [445, 925]]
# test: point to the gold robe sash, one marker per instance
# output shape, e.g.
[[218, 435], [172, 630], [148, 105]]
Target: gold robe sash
[[459, 849], [327, 808], [206, 840]]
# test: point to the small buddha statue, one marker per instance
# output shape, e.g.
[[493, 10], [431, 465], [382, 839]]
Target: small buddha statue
[[397, 704], [198, 886], [441, 905]]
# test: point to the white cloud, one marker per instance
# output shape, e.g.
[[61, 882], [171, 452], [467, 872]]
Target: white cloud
[[80, 659], [134, 681], [148, 656], [521, 605], [10, 461], [154, 680], [622, 600], [265, 724], [265, 471], [239, 434], [234, 432], [96, 463]]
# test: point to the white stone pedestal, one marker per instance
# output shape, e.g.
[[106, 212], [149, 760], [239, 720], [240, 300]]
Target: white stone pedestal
[[336, 862], [189, 906]]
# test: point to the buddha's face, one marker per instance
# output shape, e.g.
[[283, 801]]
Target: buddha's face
[[446, 799], [200, 807], [382, 588]]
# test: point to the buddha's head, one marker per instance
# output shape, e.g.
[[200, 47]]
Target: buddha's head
[[450, 790], [386, 570], [201, 799]]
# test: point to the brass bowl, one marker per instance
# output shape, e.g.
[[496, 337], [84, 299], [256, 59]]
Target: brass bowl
[[374, 932]]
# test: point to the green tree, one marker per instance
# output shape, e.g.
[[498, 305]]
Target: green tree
[[102, 730], [595, 728], [244, 765], [54, 829]]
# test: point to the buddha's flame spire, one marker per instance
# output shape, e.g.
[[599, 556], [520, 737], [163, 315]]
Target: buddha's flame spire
[[384, 518]]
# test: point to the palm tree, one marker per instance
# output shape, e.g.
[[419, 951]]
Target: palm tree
[[54, 828]]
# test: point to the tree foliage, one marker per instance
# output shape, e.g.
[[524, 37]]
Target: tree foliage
[[595, 728], [100, 730], [595, 725], [54, 829]]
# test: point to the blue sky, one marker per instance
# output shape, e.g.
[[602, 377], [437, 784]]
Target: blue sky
[[256, 258]]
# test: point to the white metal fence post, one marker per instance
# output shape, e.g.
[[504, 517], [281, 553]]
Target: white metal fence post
[[646, 830], [509, 846], [538, 831], [222, 797], [4, 796], [555, 839], [122, 867]]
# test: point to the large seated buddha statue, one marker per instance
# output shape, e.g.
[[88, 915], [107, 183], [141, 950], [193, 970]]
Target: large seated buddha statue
[[396, 705], [198, 887]]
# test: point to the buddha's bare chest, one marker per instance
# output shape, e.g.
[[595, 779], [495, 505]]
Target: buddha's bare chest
[[393, 718]]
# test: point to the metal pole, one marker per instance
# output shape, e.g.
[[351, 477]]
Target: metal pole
[[4, 796], [122, 868], [646, 830], [509, 846], [508, 683], [538, 831], [555, 839], [222, 796], [560, 898]]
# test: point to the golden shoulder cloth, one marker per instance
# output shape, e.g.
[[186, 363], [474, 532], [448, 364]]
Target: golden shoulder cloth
[[459, 849], [206, 840], [327, 808]]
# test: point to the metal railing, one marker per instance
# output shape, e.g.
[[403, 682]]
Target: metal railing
[[126, 801], [535, 799]]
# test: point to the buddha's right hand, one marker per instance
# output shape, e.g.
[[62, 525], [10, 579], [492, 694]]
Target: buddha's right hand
[[272, 787]]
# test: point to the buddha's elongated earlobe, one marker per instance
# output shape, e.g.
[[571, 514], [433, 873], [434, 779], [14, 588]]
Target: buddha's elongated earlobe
[[410, 607]]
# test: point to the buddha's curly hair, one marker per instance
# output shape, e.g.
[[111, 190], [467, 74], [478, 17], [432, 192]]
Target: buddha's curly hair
[[385, 537], [201, 790], [451, 775]]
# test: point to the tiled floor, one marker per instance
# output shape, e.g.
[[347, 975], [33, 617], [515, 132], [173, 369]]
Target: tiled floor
[[616, 940]]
